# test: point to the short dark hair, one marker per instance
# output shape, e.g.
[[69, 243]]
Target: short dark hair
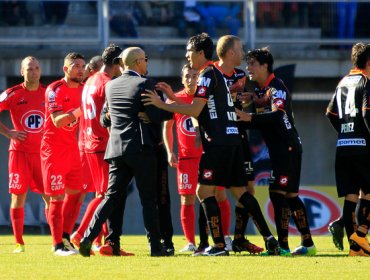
[[95, 63], [110, 53], [202, 42], [360, 55], [263, 56], [70, 57], [186, 66]]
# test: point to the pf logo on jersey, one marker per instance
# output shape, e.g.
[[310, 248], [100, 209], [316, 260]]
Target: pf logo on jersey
[[187, 127], [207, 174], [33, 121], [201, 91]]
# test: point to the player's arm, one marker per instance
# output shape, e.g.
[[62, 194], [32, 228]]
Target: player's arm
[[105, 117], [12, 134], [168, 142], [193, 110], [61, 119], [366, 106], [167, 89], [332, 113]]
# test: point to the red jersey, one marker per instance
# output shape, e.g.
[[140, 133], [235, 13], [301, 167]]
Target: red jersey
[[93, 98], [185, 131], [60, 97], [27, 113]]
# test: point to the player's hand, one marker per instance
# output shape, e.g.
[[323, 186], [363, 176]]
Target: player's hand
[[144, 117], [261, 101], [243, 116], [245, 97], [152, 98], [166, 88], [172, 160], [17, 135]]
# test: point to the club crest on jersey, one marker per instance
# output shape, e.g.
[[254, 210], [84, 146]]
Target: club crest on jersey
[[283, 181], [51, 96], [207, 174], [187, 127], [33, 121], [201, 91]]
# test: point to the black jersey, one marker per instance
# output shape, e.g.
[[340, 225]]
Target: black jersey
[[275, 118], [348, 112], [217, 120]]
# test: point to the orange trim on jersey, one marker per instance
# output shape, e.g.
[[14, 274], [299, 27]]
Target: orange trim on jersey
[[355, 71], [330, 112], [281, 109], [208, 63], [269, 79], [216, 64]]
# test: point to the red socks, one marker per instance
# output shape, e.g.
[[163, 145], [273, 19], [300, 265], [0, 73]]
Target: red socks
[[225, 215], [71, 210], [17, 217], [90, 210], [187, 215], [56, 220]]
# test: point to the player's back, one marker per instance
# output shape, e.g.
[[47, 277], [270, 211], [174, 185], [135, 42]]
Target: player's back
[[93, 98], [351, 104]]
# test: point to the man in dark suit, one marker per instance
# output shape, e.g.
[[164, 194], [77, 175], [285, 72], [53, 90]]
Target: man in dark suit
[[130, 153]]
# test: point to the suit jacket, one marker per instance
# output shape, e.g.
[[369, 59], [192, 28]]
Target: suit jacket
[[128, 133]]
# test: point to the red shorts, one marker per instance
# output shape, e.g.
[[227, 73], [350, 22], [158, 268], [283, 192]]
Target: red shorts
[[87, 181], [99, 169], [24, 172], [61, 169], [187, 175]]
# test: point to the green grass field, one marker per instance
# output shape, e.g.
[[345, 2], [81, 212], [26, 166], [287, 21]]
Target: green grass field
[[39, 263]]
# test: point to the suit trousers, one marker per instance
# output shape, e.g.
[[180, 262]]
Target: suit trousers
[[143, 167]]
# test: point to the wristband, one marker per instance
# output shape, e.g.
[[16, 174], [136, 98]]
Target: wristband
[[77, 112]]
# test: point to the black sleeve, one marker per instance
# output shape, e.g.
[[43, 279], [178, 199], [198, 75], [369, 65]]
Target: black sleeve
[[155, 114], [269, 118], [104, 120], [366, 105], [332, 113]]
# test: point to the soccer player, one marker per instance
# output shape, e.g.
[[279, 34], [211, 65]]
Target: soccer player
[[94, 66], [188, 157], [96, 139], [25, 104], [230, 53], [60, 158], [222, 162], [275, 120], [348, 112]]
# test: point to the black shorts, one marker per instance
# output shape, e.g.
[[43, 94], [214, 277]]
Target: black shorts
[[248, 164], [222, 166], [286, 172], [352, 174]]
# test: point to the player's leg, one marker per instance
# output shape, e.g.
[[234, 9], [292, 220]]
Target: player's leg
[[187, 178], [94, 167], [18, 184], [224, 205], [164, 200], [250, 203], [187, 217], [363, 214], [206, 196], [120, 175]]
